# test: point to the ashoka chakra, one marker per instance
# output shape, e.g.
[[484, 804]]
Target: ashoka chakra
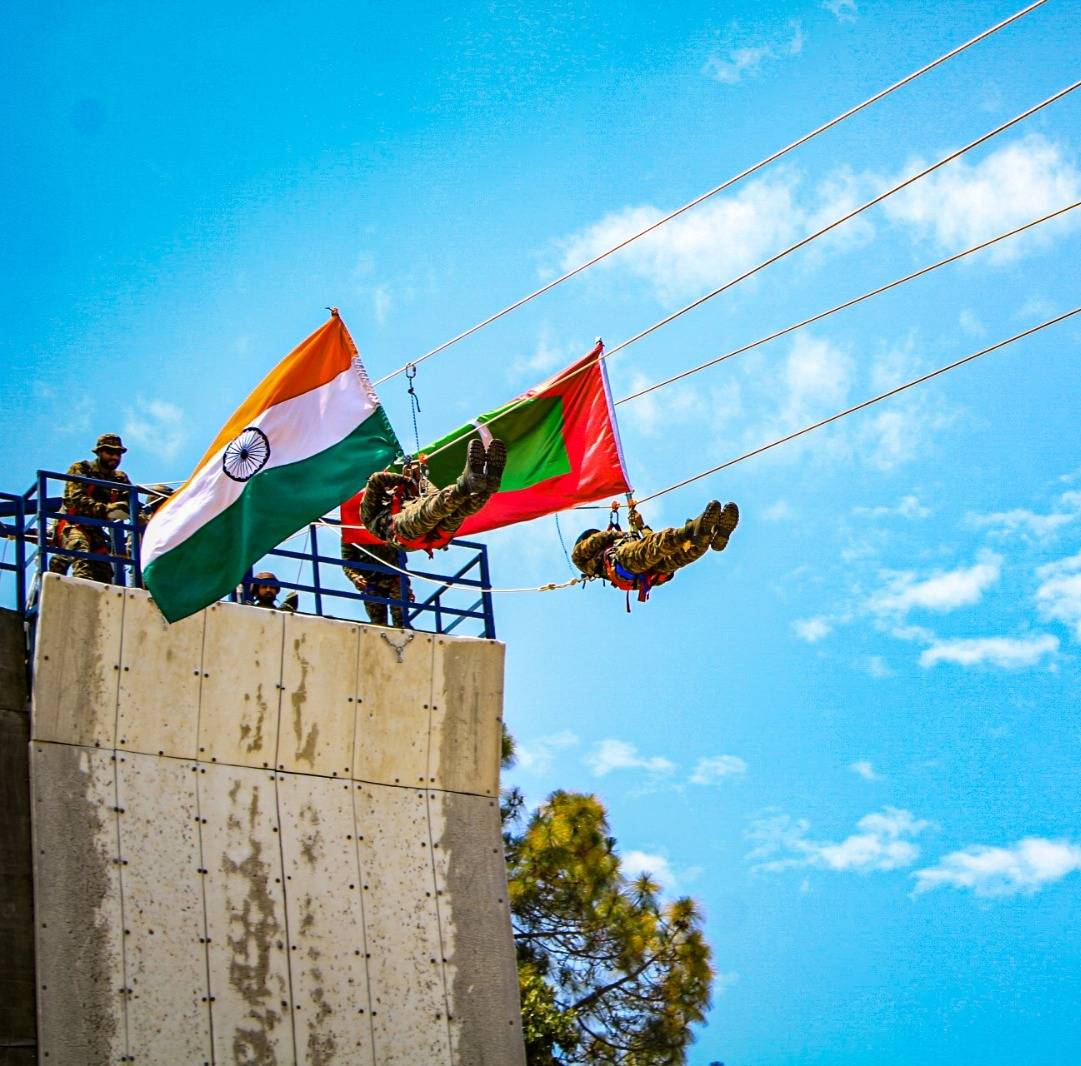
[[246, 455]]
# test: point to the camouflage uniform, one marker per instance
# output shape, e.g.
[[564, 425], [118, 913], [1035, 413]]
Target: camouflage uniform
[[377, 583], [658, 553], [94, 501], [427, 511]]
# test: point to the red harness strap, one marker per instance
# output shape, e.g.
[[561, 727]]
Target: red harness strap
[[627, 582], [428, 543]]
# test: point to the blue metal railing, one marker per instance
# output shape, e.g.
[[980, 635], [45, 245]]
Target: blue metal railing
[[28, 521]]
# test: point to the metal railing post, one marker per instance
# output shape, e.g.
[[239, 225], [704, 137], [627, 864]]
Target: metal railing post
[[43, 525], [136, 538], [20, 555], [317, 588], [486, 595]]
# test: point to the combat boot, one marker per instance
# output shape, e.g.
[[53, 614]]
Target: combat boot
[[473, 480], [497, 461], [704, 526], [726, 523]]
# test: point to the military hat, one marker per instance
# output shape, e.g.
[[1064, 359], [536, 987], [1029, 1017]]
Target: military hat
[[111, 441], [265, 577]]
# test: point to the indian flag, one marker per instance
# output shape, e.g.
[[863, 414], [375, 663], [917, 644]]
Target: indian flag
[[305, 440], [562, 449]]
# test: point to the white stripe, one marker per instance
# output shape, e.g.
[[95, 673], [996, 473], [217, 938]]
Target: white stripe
[[297, 429]]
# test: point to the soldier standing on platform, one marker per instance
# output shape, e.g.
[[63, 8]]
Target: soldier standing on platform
[[92, 501], [264, 593], [376, 582]]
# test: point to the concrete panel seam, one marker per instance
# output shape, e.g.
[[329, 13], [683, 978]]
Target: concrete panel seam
[[126, 990], [209, 997], [285, 906]]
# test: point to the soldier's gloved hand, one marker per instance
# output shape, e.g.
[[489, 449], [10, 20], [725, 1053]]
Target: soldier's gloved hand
[[118, 512], [290, 601]]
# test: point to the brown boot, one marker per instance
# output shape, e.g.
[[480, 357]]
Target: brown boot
[[727, 522], [496, 463], [473, 479], [705, 525]]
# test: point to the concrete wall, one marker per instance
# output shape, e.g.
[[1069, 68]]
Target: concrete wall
[[266, 838], [17, 1039]]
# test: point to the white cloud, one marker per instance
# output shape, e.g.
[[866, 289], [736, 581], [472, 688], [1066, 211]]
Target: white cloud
[[779, 511], [877, 668], [842, 10], [381, 302], [1059, 594], [884, 842], [710, 770], [612, 755], [635, 863], [538, 755], [653, 414], [1029, 524], [906, 507], [746, 61], [964, 203], [722, 982], [1009, 653], [1022, 869], [812, 630], [943, 591], [548, 356], [156, 425], [970, 323], [700, 249], [865, 770]]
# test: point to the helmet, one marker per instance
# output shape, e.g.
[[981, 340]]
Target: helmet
[[111, 441], [265, 577]]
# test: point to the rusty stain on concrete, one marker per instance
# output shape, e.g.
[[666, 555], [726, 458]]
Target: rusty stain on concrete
[[305, 746], [322, 1047], [256, 930]]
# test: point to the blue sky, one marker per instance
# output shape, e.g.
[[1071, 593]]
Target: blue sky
[[854, 735]]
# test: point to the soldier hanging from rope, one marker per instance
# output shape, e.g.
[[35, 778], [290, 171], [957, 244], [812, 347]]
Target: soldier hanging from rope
[[639, 559], [408, 511]]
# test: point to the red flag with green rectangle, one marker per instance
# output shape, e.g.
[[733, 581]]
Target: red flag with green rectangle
[[562, 449]]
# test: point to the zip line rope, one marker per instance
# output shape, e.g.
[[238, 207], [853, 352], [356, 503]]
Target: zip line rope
[[982, 139], [713, 192], [848, 303], [845, 218], [860, 406]]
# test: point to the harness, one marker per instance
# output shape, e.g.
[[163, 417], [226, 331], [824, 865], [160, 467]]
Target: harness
[[429, 542], [620, 576], [627, 582]]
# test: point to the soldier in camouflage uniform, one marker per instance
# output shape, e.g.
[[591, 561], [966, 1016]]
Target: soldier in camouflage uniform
[[93, 501], [377, 583], [640, 559], [407, 510]]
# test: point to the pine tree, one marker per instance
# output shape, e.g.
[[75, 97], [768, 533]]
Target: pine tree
[[609, 972]]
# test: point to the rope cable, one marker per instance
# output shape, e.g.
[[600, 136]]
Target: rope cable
[[860, 406], [844, 218], [983, 138], [847, 303], [772, 158]]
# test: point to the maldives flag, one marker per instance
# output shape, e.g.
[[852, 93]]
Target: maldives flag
[[562, 449]]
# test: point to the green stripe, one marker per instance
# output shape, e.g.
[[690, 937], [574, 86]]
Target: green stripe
[[536, 449], [273, 506]]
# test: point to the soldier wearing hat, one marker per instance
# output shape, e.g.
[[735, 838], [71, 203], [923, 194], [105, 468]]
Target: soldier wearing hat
[[92, 501], [638, 560], [264, 593]]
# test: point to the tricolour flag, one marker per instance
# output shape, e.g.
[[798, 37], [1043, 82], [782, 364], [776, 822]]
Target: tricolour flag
[[562, 449], [305, 440]]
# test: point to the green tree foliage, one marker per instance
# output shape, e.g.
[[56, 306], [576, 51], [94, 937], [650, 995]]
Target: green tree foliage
[[609, 972]]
